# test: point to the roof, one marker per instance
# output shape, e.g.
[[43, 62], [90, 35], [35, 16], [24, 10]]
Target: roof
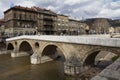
[[32, 9], [62, 15], [20, 8]]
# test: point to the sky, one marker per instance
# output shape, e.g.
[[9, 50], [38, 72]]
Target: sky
[[77, 9]]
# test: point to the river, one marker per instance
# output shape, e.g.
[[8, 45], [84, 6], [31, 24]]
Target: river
[[21, 69]]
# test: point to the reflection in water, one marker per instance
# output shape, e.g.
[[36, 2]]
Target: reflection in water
[[21, 69]]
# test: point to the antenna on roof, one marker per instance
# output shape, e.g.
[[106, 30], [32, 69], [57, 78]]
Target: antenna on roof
[[11, 5]]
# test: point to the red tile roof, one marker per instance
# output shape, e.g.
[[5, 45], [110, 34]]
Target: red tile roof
[[34, 9]]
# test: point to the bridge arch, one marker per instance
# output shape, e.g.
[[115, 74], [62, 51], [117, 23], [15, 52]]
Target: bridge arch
[[91, 55], [26, 47], [10, 46], [53, 51]]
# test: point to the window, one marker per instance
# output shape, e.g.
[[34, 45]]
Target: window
[[39, 16], [66, 24], [14, 15], [34, 17], [30, 16], [25, 16], [18, 23], [15, 24], [20, 16]]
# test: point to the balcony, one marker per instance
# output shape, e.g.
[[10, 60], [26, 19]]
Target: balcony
[[48, 28], [48, 18], [47, 23]]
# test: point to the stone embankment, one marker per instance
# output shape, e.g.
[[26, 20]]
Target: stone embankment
[[112, 72]]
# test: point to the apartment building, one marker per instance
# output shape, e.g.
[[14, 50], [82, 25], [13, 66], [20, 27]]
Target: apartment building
[[30, 21], [23, 20]]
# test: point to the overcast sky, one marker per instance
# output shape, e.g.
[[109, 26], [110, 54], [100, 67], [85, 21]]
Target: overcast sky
[[79, 9]]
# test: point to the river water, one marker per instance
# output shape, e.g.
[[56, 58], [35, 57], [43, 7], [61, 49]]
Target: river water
[[21, 69]]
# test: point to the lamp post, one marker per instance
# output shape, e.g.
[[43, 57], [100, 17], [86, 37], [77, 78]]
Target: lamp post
[[36, 32], [111, 31]]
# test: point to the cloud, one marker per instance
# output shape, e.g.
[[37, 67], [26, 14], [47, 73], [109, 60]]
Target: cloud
[[109, 13], [110, 10], [74, 8], [26, 3], [113, 5], [72, 2]]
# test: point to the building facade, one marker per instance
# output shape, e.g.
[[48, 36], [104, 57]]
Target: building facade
[[116, 25], [76, 27], [29, 21], [46, 21], [22, 20], [2, 27], [19, 21], [62, 24]]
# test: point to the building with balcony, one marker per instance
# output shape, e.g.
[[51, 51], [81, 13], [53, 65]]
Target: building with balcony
[[29, 21], [22, 20], [62, 24], [76, 27], [67, 26], [46, 21]]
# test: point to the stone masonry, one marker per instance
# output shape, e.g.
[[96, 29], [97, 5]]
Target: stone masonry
[[112, 72]]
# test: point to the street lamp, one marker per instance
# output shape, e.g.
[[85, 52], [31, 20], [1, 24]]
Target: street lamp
[[36, 32]]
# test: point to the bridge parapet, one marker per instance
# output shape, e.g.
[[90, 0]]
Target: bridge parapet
[[90, 40]]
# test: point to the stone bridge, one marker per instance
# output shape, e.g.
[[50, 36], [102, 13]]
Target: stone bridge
[[85, 48]]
